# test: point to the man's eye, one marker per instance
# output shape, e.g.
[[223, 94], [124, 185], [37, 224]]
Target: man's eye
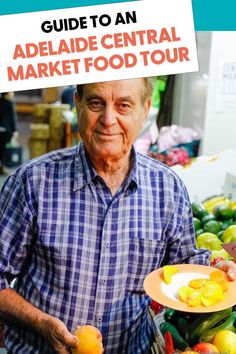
[[95, 105], [124, 107]]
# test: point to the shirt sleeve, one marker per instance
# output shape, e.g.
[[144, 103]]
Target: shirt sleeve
[[181, 235], [16, 231]]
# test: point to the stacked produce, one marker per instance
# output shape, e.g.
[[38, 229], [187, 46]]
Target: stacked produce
[[215, 223], [205, 333]]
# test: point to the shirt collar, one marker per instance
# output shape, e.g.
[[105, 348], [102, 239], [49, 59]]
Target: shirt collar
[[131, 183], [85, 173]]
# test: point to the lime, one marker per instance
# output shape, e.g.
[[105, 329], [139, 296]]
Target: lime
[[221, 224], [220, 234], [207, 218], [226, 224], [223, 212], [229, 234], [198, 232], [212, 226], [197, 224], [199, 210]]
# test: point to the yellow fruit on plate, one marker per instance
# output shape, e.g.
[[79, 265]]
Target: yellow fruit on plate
[[168, 272], [212, 293], [197, 283], [201, 291], [184, 292], [90, 340], [211, 288], [225, 341], [220, 277], [194, 299]]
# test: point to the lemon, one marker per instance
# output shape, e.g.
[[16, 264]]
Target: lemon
[[229, 234], [225, 341]]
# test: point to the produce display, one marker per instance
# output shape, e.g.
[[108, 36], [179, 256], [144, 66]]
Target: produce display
[[210, 332], [200, 333], [215, 223]]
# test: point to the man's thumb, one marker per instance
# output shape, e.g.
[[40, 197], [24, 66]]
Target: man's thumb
[[72, 341]]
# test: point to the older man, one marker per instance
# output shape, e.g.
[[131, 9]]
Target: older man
[[82, 227]]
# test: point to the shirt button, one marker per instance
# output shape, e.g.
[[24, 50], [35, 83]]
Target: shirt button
[[107, 244]]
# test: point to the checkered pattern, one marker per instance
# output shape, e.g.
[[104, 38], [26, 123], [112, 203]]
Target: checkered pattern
[[82, 255]]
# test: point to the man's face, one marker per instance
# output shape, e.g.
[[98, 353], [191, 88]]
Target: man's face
[[111, 116]]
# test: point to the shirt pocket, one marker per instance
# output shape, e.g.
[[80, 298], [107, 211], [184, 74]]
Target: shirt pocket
[[145, 255]]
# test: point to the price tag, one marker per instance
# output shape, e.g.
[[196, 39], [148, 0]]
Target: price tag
[[230, 186], [230, 248]]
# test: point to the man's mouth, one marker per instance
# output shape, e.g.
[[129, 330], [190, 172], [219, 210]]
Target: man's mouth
[[107, 134]]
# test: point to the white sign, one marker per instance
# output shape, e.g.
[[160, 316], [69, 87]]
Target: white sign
[[226, 87], [96, 43], [230, 186]]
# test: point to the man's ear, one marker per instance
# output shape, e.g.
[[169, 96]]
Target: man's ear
[[146, 108]]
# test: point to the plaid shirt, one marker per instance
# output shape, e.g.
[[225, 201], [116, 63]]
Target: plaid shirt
[[81, 254]]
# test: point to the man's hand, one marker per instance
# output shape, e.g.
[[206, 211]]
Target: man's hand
[[54, 331], [14, 308], [229, 267]]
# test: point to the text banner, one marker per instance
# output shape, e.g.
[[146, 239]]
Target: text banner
[[96, 43]]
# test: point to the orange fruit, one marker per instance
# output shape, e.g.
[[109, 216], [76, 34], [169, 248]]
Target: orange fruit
[[207, 348], [220, 277], [197, 283], [90, 340], [217, 275]]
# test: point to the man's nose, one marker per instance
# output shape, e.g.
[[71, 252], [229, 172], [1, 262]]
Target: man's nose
[[108, 116]]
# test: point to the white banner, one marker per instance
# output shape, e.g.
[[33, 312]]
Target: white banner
[[96, 43]]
